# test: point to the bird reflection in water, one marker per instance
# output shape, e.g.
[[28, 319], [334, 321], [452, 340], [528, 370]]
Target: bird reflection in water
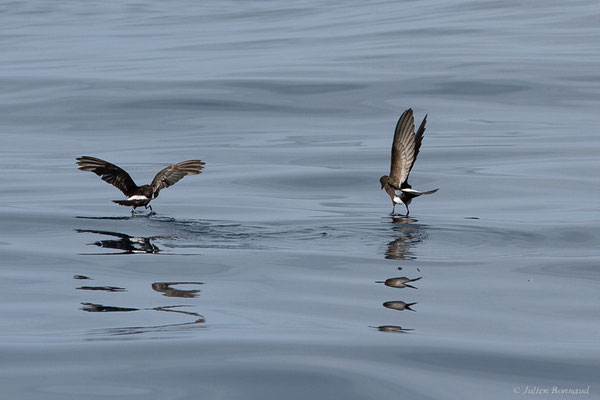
[[172, 309], [391, 328], [399, 283], [127, 244], [162, 287], [167, 290], [406, 235], [103, 288], [399, 305], [92, 307]]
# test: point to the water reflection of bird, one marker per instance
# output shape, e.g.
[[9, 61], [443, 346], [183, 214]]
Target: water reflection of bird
[[138, 196], [405, 149], [402, 219], [161, 287], [91, 307], [168, 291], [398, 249], [401, 282], [103, 288], [398, 305], [129, 244], [200, 318], [391, 328], [406, 234]]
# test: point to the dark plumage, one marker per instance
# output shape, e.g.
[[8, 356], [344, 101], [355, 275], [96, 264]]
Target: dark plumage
[[138, 196], [405, 150], [398, 305]]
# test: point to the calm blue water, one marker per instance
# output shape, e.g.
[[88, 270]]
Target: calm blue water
[[257, 279]]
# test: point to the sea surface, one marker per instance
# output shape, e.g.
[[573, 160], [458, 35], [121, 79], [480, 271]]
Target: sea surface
[[261, 277]]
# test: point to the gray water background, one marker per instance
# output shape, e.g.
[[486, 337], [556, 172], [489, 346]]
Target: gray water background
[[275, 249]]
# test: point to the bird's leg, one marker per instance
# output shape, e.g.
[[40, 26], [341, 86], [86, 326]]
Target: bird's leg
[[407, 211], [132, 211], [150, 207], [393, 208]]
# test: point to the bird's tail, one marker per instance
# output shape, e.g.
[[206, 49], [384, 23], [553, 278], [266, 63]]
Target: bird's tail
[[129, 203], [416, 193], [430, 191]]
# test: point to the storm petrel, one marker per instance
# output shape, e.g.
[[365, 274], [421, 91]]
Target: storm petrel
[[405, 150], [138, 196]]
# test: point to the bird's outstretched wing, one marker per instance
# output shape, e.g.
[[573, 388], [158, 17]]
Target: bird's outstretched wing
[[403, 149], [109, 173], [418, 140], [173, 173]]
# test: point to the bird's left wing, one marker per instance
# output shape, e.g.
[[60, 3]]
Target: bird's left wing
[[418, 141], [173, 173]]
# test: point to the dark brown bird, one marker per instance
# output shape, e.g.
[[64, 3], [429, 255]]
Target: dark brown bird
[[405, 150], [138, 196]]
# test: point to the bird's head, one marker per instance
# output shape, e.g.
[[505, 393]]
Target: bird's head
[[383, 180]]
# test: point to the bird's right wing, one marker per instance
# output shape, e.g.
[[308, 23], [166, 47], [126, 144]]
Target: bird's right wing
[[403, 148], [109, 173]]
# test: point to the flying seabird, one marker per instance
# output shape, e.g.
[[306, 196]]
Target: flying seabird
[[405, 150], [138, 196]]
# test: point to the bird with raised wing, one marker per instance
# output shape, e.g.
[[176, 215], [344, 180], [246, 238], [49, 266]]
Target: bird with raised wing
[[138, 196], [405, 150]]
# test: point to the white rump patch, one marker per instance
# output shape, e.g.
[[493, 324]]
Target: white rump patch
[[397, 200], [138, 197]]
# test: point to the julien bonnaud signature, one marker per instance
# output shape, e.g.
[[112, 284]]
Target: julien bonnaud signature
[[551, 390]]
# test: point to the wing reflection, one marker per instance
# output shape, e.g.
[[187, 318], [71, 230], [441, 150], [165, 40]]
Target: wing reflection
[[168, 291], [169, 309], [103, 288], [91, 307], [136, 330], [161, 287], [128, 244]]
